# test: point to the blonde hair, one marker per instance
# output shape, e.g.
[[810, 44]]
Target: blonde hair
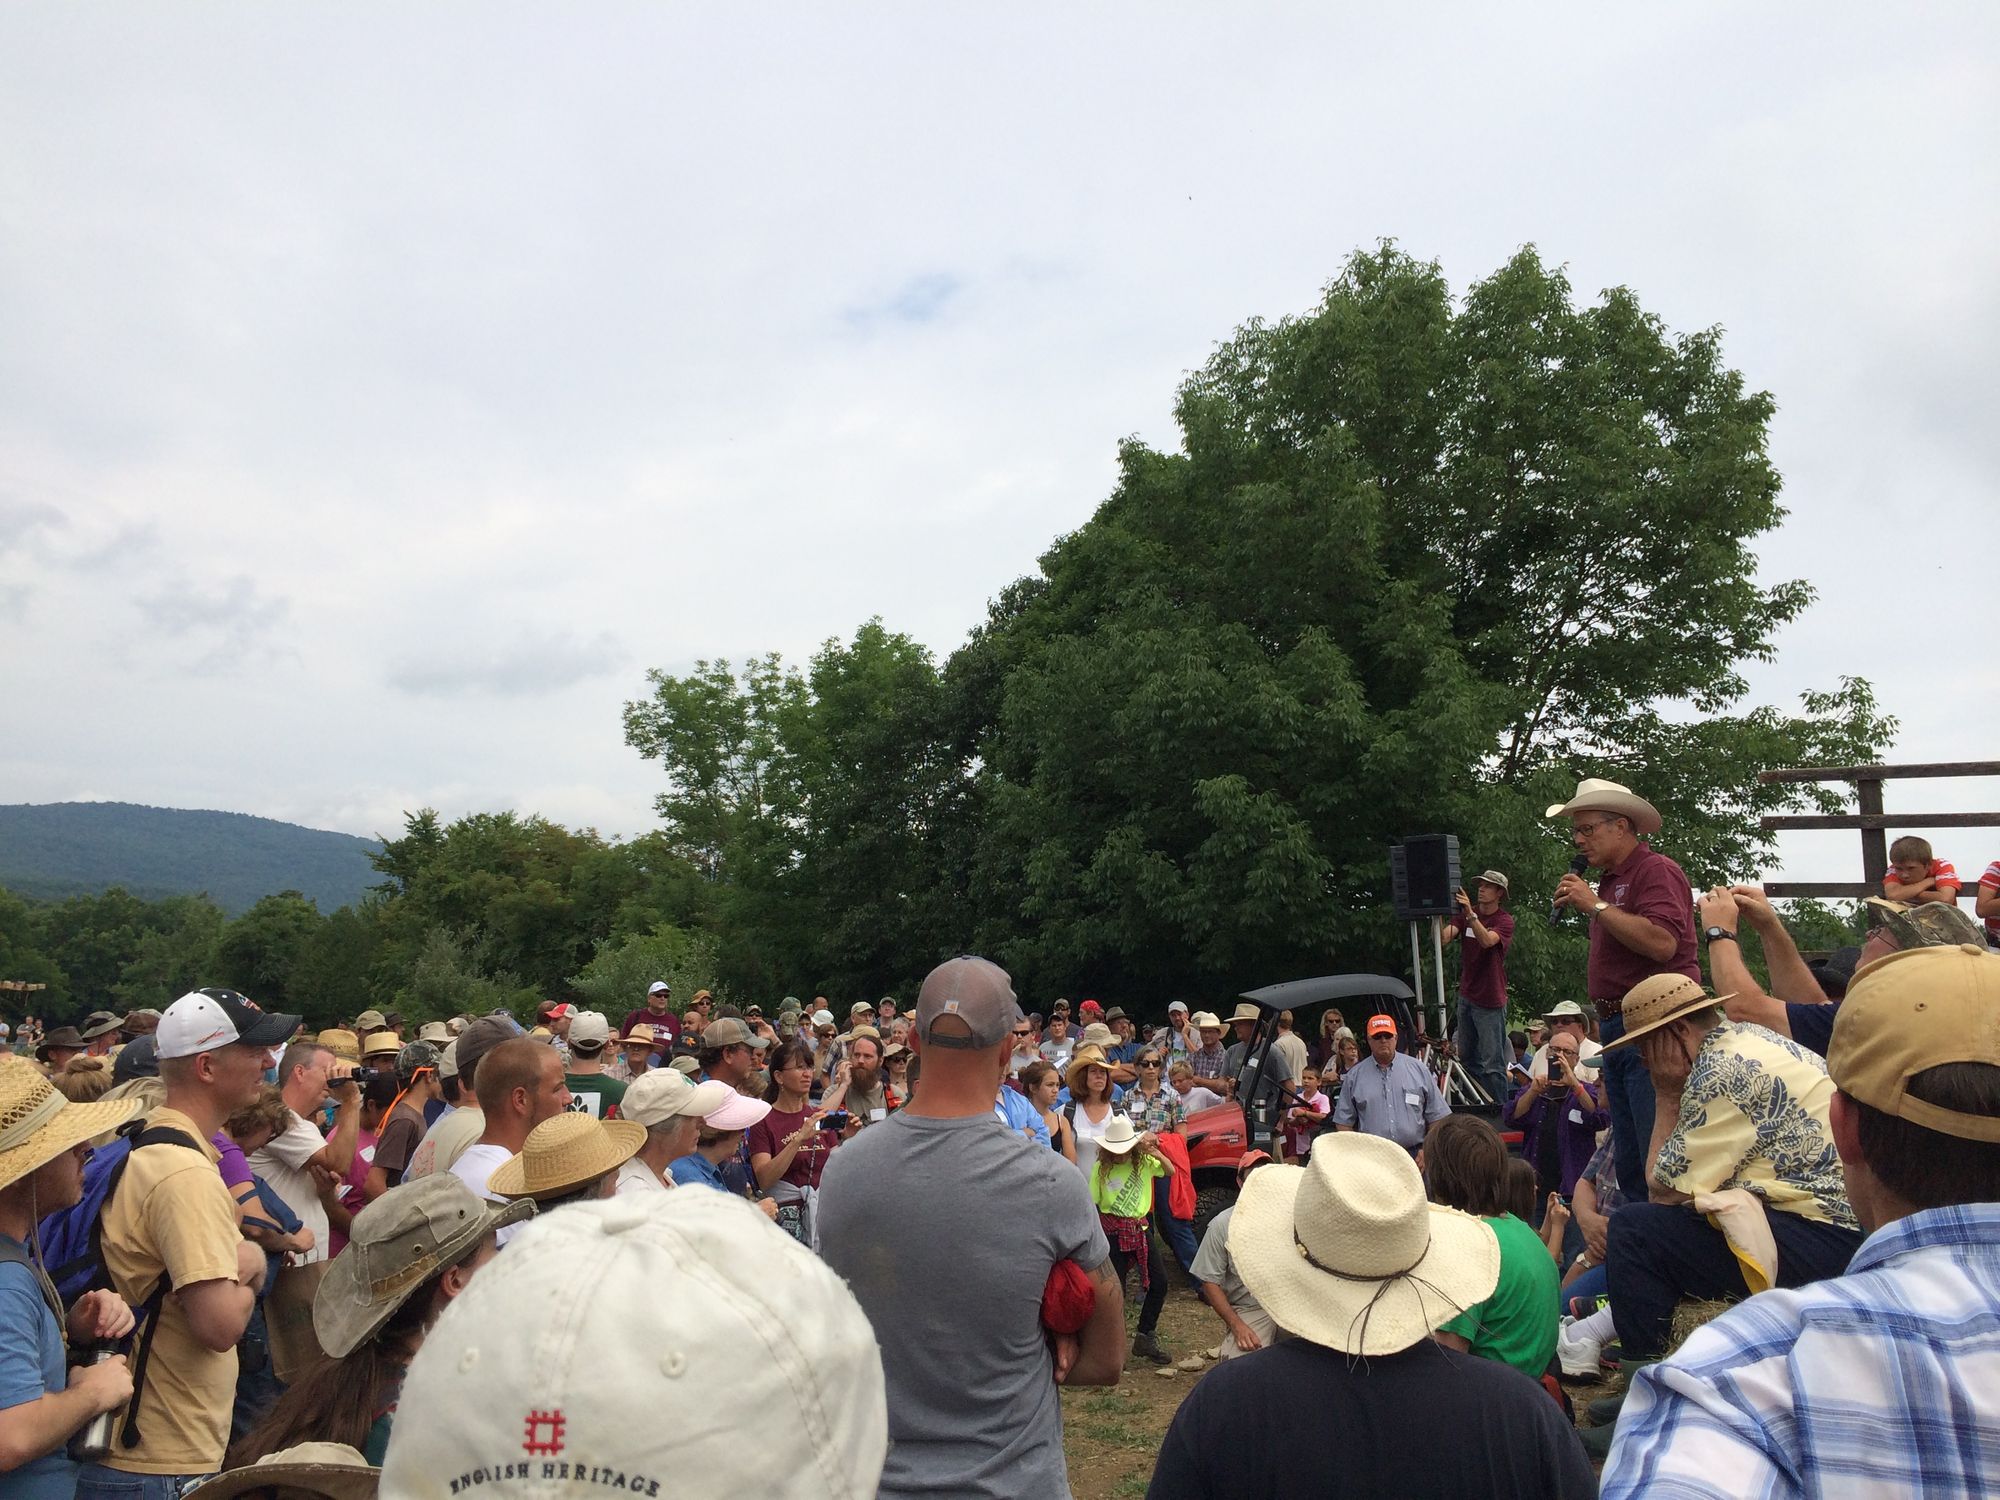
[[84, 1081]]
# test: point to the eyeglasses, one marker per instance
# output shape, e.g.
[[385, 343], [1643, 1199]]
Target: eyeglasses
[[1587, 829]]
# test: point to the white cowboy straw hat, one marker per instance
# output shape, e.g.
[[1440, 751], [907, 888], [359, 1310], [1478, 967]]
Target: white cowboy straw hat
[[566, 1151], [1347, 1252], [37, 1124], [1658, 999], [332, 1470], [1119, 1137], [1596, 795]]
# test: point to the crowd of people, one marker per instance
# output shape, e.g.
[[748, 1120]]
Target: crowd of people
[[707, 1250]]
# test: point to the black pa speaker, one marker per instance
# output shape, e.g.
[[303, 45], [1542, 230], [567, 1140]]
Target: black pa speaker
[[1424, 876]]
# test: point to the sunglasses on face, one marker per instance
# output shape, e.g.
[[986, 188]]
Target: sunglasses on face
[[1149, 1062]]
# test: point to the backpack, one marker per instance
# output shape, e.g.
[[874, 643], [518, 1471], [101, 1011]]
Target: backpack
[[71, 1242]]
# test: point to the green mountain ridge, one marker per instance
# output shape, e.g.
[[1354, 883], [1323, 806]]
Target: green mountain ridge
[[50, 851]]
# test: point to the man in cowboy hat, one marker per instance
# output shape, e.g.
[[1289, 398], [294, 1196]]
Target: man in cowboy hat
[[955, 1292], [1350, 1260], [1565, 1017], [55, 1050], [1210, 1060], [1736, 1108], [1269, 1067], [44, 1141], [1879, 1380], [1641, 919], [1392, 1095], [1484, 930]]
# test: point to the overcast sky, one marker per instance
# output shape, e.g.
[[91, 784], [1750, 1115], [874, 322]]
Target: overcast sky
[[384, 388]]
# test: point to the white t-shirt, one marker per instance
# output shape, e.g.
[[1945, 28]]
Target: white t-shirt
[[475, 1166], [449, 1135], [281, 1161], [1088, 1135], [1538, 1066], [1199, 1098], [636, 1177]]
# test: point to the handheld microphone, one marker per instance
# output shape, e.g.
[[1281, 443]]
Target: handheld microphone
[[1576, 867]]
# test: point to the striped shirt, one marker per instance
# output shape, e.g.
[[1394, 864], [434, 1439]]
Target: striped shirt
[[1988, 884], [1884, 1381]]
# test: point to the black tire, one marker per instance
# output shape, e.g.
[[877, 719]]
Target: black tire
[[1211, 1196]]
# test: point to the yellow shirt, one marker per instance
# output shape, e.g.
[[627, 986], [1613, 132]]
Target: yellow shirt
[[172, 1213]]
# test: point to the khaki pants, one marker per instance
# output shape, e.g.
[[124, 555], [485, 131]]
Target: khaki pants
[[288, 1317]]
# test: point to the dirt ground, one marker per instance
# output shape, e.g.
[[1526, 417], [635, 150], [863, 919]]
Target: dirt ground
[[1111, 1435]]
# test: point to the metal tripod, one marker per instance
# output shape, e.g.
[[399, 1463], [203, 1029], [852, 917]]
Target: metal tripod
[[1460, 1089]]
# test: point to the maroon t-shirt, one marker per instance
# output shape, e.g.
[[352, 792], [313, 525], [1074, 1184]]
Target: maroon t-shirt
[[1482, 971], [1653, 886], [666, 1025], [768, 1137]]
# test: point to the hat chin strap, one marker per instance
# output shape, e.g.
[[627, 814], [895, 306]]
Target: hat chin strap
[[1383, 1284]]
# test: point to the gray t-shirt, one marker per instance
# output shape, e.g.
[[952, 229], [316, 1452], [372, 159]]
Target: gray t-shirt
[[1213, 1264], [945, 1231]]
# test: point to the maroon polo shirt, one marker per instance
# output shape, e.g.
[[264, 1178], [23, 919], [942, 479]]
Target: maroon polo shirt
[[666, 1025], [1482, 972], [1653, 886]]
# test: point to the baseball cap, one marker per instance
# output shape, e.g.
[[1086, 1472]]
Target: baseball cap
[[589, 1028], [535, 1365], [448, 1060], [482, 1036], [659, 987], [730, 1032], [860, 1008], [664, 1095], [203, 1020], [975, 990], [1381, 1026], [823, 1018], [369, 1020], [1913, 1010], [138, 1058], [1177, 1005], [737, 1112], [415, 1056]]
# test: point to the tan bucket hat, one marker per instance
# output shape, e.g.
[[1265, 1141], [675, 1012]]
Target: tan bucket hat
[[564, 1152], [37, 1124], [1347, 1252], [332, 1470], [1596, 795], [1658, 999], [397, 1243]]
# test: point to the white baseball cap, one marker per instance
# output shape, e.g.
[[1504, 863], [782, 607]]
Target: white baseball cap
[[823, 1018], [203, 1020], [659, 987], [588, 1026], [1177, 1005], [662, 1094], [538, 1375]]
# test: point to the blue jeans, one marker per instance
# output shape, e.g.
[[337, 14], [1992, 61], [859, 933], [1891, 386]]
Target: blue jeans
[[1659, 1253], [95, 1482], [1592, 1283], [1628, 1090], [1179, 1232], [1482, 1046]]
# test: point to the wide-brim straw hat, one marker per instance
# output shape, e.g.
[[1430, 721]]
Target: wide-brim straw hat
[[1347, 1252], [330, 1469], [398, 1243], [1658, 999], [1083, 1057], [37, 1124], [1596, 795], [342, 1043], [1120, 1136], [564, 1152]]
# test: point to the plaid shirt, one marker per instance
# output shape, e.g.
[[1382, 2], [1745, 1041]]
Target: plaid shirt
[[1878, 1382]]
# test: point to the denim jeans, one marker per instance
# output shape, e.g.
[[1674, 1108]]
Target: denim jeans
[[1482, 1046], [1179, 1232], [96, 1482], [1661, 1252], [1628, 1091]]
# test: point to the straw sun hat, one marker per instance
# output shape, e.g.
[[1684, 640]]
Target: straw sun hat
[[1084, 1057], [37, 1124], [1658, 999], [1347, 1252], [564, 1152]]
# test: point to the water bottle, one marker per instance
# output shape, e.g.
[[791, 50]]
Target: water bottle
[[91, 1443]]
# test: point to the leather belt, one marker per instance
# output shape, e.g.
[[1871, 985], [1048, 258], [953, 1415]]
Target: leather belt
[[1609, 1010]]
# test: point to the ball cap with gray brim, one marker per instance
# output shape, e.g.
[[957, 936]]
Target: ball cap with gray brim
[[665, 1094], [203, 1020], [1658, 999], [730, 1032], [1596, 795], [542, 1362], [332, 1470], [371, 1020], [395, 1245], [1912, 1011], [1347, 1252], [979, 993]]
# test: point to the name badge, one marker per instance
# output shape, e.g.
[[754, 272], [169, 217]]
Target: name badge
[[1576, 1117], [1415, 1101]]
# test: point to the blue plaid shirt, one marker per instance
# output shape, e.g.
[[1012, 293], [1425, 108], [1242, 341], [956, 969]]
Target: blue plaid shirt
[[1884, 1381]]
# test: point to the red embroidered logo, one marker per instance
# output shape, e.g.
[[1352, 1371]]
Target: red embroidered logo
[[540, 1423]]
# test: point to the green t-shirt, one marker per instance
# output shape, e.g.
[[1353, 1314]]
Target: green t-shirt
[[595, 1094], [1517, 1324], [1126, 1190]]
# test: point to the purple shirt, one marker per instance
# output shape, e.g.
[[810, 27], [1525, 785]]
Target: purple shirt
[[1482, 971], [1653, 886], [1577, 1140], [234, 1166]]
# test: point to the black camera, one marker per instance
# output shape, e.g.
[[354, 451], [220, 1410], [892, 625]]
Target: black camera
[[837, 1120], [360, 1077]]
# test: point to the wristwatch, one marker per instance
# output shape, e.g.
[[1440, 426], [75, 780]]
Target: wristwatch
[[1601, 906], [1719, 935]]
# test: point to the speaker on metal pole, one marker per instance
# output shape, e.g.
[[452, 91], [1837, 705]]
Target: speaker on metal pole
[[1424, 876]]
